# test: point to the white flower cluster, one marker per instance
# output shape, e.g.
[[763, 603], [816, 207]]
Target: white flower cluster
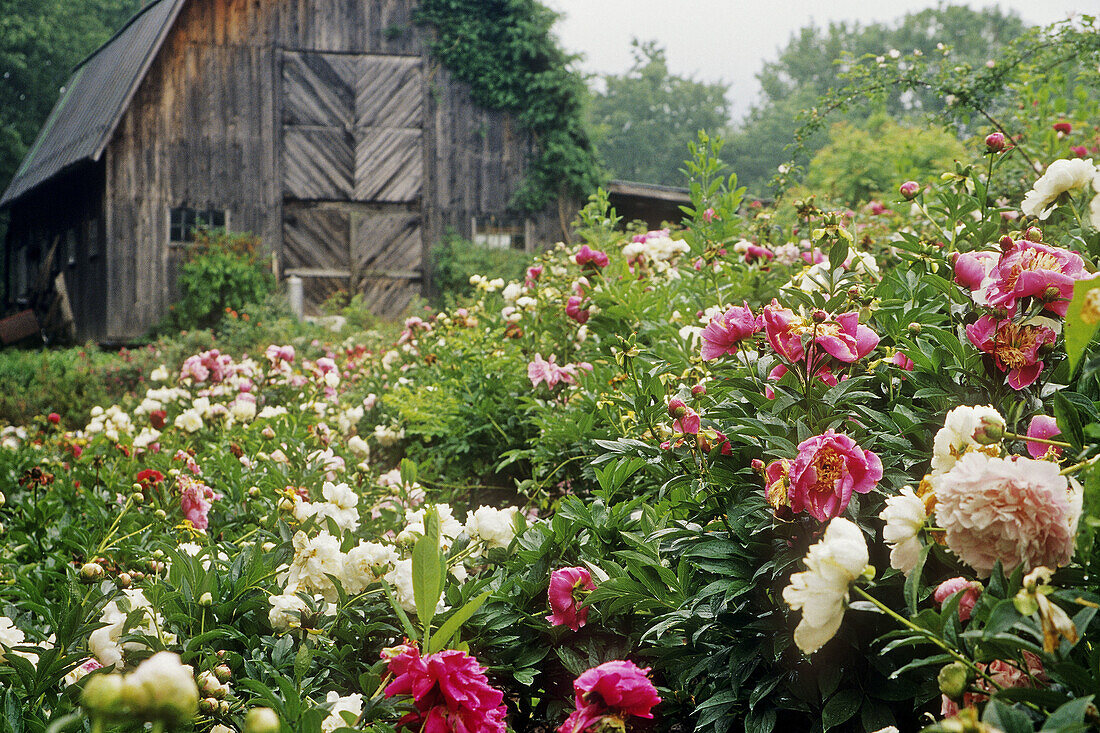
[[11, 437], [485, 284], [112, 422], [11, 635], [388, 435], [659, 248], [1063, 176], [347, 704], [341, 505]]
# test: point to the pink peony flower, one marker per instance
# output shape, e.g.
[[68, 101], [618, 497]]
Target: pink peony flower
[[449, 690], [1079, 150], [1014, 347], [564, 586], [909, 190], [971, 268], [995, 142], [728, 329], [533, 274], [901, 361], [196, 499], [1042, 426], [685, 419], [1016, 510], [971, 590], [842, 337], [1037, 270], [617, 689], [573, 309], [708, 215], [1006, 675], [540, 370], [754, 252], [829, 467], [588, 256]]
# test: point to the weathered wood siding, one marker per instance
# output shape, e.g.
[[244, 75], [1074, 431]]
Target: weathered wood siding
[[199, 133]]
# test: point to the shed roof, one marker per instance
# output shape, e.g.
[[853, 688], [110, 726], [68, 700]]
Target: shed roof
[[94, 99]]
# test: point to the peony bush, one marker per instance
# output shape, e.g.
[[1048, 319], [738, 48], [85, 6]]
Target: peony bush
[[773, 468]]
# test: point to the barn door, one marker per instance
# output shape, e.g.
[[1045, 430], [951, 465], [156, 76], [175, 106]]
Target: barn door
[[353, 174]]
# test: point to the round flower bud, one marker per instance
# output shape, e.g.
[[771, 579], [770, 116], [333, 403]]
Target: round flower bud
[[223, 672], [223, 707], [160, 514], [757, 465], [1006, 243], [254, 491], [103, 694], [1051, 294], [699, 390], [158, 554], [819, 316], [995, 142], [91, 572], [220, 654], [138, 575], [208, 706], [989, 433], [206, 599], [914, 329], [124, 580], [953, 679], [162, 688], [137, 497], [3, 499], [909, 190], [261, 720], [677, 408], [1033, 234]]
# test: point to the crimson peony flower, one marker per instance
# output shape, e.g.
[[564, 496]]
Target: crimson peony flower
[[829, 467], [1063, 127], [1042, 426], [1013, 346], [54, 418], [149, 477], [970, 590], [1016, 510], [564, 584], [449, 689], [158, 419], [726, 330], [617, 690]]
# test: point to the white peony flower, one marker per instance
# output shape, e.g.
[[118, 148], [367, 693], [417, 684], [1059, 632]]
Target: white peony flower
[[1062, 176], [285, 611], [349, 704], [958, 434], [449, 527], [104, 641], [511, 292], [493, 526], [358, 446], [904, 516], [401, 578], [314, 560], [366, 563], [160, 374], [189, 420], [9, 634], [162, 687], [822, 590]]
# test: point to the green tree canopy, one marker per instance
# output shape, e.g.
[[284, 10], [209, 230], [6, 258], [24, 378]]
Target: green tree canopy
[[814, 59], [644, 119], [40, 43]]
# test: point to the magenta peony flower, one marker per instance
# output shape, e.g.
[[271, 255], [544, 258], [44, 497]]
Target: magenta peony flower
[[573, 309], [829, 467], [970, 589], [1037, 270], [1063, 127], [588, 256], [1016, 510], [1042, 426], [728, 329], [901, 361], [1079, 150], [534, 272], [754, 252], [564, 586], [449, 690], [995, 142], [617, 689], [1014, 347], [842, 337], [708, 215], [909, 190]]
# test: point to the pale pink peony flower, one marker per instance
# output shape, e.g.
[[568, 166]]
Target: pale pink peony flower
[[1042, 426], [1006, 675], [196, 499], [970, 590], [829, 467], [1013, 346], [726, 330], [564, 586], [1016, 510], [618, 689]]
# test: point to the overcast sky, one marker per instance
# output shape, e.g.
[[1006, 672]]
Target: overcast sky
[[729, 40]]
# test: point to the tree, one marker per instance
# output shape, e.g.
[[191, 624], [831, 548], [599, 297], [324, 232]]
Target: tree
[[814, 59], [644, 119], [40, 43]]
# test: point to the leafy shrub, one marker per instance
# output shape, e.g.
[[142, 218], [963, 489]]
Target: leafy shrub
[[455, 259], [223, 271]]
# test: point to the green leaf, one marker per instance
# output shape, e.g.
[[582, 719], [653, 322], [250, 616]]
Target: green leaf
[[451, 626], [912, 582], [840, 708], [1078, 332], [1068, 420], [1069, 717], [429, 570], [1008, 720]]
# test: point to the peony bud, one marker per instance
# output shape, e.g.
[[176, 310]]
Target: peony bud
[[1033, 234], [223, 707], [914, 329], [699, 390], [208, 706], [124, 580], [254, 492], [757, 465], [91, 572], [137, 497], [162, 688], [953, 679], [206, 599], [909, 190], [995, 142], [677, 408], [222, 671], [819, 316], [261, 720], [160, 514], [989, 433], [103, 694], [3, 499]]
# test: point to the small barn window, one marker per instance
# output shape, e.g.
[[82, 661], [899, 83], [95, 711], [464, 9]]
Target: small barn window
[[184, 221], [498, 233]]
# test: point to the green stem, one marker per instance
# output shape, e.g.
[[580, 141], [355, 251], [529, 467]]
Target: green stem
[[1078, 466], [1044, 441], [114, 526]]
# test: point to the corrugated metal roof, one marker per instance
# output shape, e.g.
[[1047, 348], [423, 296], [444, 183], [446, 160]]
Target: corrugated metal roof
[[95, 98]]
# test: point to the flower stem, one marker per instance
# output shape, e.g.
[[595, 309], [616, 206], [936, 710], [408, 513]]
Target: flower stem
[[1078, 466], [1044, 441]]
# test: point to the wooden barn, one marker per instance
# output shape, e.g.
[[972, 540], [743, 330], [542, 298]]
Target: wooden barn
[[323, 126]]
